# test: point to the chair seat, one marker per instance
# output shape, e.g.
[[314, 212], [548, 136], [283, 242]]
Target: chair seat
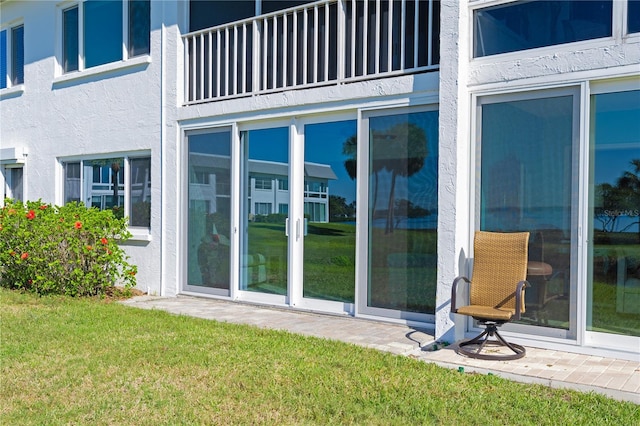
[[486, 312]]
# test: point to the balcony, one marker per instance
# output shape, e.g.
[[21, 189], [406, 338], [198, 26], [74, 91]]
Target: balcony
[[328, 42]]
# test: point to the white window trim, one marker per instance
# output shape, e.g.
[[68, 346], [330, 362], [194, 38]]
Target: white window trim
[[619, 34], [82, 72]]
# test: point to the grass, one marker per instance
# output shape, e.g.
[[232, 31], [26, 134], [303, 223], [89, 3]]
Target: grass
[[71, 361]]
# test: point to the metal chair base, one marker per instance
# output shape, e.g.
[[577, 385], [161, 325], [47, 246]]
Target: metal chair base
[[482, 340]]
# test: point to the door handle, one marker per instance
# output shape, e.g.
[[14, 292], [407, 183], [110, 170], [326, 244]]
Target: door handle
[[286, 227], [297, 229]]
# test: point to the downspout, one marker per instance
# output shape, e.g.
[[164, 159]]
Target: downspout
[[163, 174]]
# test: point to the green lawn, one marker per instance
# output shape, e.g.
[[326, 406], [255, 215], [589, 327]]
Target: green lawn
[[70, 361]]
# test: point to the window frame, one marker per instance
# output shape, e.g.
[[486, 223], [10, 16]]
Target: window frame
[[126, 158], [9, 75], [576, 292], [618, 27], [126, 59]]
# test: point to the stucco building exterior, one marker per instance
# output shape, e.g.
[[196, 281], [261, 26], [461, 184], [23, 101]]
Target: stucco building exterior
[[339, 155]]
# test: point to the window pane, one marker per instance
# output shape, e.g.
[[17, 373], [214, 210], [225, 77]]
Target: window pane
[[269, 6], [139, 27], [264, 245], [209, 215], [71, 182], [210, 13], [403, 206], [527, 25], [14, 183], [633, 16], [17, 55], [70, 40], [102, 32], [3, 59], [140, 190], [613, 304], [526, 177], [105, 191], [329, 207]]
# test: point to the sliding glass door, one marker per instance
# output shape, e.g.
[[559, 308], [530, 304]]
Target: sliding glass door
[[264, 201], [330, 152], [209, 210], [402, 213], [526, 151]]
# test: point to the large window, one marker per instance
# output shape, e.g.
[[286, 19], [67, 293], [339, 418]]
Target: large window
[[100, 183], [529, 24], [94, 32], [12, 56]]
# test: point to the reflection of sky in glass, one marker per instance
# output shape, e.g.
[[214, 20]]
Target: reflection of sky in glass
[[267, 144], [102, 32], [617, 134], [323, 145], [216, 143], [3, 59]]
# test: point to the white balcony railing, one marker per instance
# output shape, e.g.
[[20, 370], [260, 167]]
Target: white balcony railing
[[325, 42]]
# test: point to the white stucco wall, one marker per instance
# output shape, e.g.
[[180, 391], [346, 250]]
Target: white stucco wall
[[117, 111]]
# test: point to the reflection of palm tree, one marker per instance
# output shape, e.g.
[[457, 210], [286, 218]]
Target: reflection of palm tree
[[115, 168], [629, 186], [401, 149]]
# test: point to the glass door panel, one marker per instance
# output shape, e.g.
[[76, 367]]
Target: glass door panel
[[613, 303], [402, 212], [265, 205], [209, 211], [329, 211], [526, 185]]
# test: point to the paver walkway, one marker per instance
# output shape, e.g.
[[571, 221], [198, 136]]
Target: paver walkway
[[619, 379]]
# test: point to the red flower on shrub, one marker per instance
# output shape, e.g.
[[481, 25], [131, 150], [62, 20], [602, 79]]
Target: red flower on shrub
[[24, 255], [43, 207], [104, 241], [12, 253], [89, 248], [31, 215], [78, 224], [11, 211]]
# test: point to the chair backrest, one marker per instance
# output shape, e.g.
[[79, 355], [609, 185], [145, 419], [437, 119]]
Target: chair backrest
[[500, 263]]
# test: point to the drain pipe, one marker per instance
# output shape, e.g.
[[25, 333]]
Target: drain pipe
[[163, 174]]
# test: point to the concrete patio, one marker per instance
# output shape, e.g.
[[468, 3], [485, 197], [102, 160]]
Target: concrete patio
[[619, 379]]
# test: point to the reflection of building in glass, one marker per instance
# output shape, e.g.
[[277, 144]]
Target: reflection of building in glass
[[102, 182], [209, 186]]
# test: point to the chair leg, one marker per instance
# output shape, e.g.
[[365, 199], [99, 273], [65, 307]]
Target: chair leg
[[483, 340]]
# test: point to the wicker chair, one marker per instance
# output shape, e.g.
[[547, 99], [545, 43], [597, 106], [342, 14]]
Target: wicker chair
[[496, 292]]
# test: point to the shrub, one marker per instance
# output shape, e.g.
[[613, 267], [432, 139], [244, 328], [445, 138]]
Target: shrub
[[68, 250]]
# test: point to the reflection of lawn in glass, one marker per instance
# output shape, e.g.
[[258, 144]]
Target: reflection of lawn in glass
[[605, 317], [269, 240], [403, 264], [403, 268], [329, 261]]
